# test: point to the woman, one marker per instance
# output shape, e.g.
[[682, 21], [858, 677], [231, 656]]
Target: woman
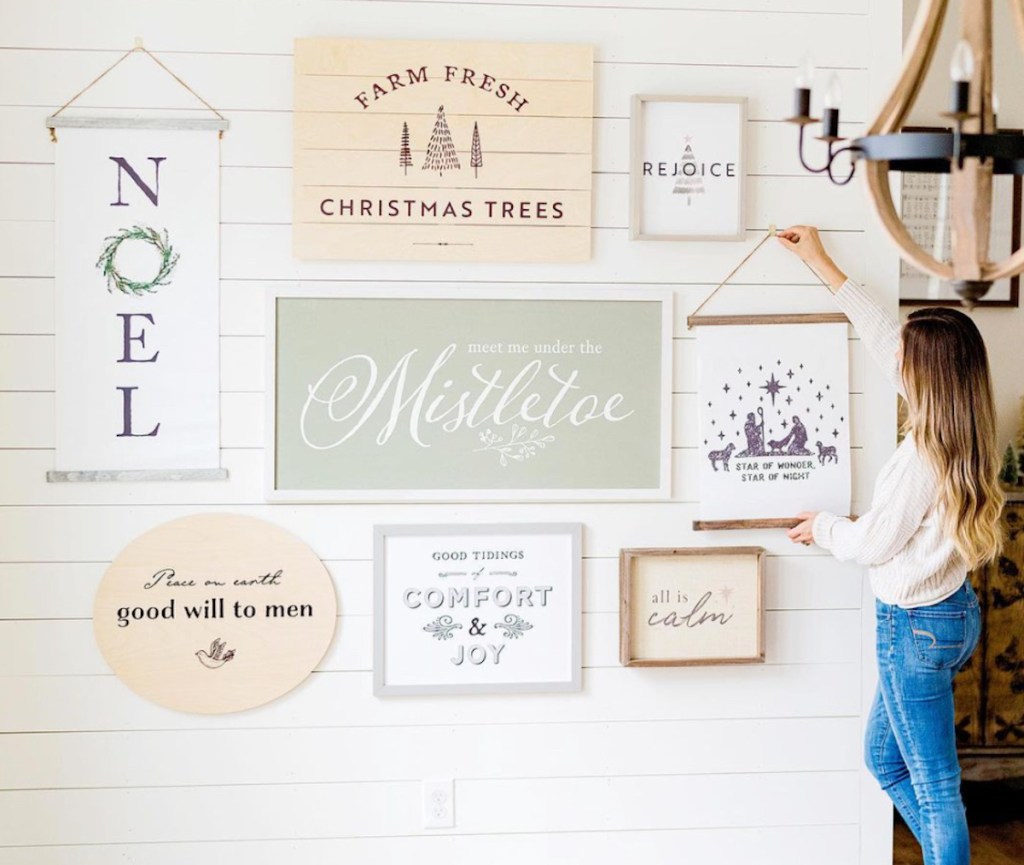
[[934, 515]]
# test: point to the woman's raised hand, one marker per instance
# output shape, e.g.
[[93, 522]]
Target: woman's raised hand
[[805, 242]]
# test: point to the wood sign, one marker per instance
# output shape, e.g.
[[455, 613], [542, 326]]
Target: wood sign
[[442, 151], [214, 613], [137, 309], [691, 606], [774, 430], [468, 394], [477, 608]]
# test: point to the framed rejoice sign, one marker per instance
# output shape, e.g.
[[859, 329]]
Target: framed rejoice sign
[[687, 166], [469, 394]]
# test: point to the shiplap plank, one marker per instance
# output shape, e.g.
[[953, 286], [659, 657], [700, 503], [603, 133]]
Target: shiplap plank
[[65, 590], [51, 703], [802, 845], [208, 757], [54, 647], [754, 38]]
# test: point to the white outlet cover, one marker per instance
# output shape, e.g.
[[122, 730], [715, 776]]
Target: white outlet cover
[[439, 803]]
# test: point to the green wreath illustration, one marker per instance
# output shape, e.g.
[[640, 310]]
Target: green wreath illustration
[[117, 281]]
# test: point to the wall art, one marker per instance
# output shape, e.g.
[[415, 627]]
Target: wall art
[[137, 310], [925, 211], [774, 427], [465, 609], [214, 613], [687, 167], [467, 394], [442, 151], [691, 606]]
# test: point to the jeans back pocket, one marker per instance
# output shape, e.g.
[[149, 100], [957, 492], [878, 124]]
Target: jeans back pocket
[[940, 636]]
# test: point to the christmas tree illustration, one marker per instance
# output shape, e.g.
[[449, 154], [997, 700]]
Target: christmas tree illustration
[[405, 154], [688, 184], [476, 156], [441, 155]]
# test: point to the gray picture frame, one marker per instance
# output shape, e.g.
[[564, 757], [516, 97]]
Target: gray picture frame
[[381, 533], [636, 149]]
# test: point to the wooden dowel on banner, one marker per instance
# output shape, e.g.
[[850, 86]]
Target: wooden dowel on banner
[[781, 523], [774, 318]]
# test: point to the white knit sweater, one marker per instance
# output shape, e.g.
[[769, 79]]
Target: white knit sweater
[[911, 562]]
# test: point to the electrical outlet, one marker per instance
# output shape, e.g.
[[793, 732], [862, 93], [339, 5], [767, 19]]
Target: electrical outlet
[[439, 804]]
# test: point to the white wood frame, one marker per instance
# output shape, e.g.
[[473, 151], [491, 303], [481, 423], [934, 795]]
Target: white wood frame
[[664, 491], [636, 139], [380, 536]]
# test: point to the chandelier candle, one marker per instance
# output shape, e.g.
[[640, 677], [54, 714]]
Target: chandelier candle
[[830, 118], [961, 70], [802, 93]]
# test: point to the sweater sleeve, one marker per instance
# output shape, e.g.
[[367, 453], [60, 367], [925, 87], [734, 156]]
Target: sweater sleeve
[[878, 535], [879, 331]]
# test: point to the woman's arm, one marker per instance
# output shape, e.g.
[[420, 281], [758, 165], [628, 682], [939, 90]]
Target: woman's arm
[[878, 535], [879, 331]]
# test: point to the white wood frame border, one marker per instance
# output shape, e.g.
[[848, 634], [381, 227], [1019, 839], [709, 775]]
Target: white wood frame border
[[380, 536], [636, 139], [662, 493]]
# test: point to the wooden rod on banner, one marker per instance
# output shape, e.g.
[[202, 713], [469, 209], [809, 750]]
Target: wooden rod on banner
[[696, 320]]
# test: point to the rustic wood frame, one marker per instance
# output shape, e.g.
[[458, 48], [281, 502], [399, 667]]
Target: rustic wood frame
[[627, 557]]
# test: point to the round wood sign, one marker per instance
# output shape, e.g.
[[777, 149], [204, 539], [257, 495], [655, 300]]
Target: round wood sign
[[214, 613]]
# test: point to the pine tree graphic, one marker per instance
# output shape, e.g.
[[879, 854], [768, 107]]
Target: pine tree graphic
[[405, 154], [476, 156], [688, 184], [441, 155]]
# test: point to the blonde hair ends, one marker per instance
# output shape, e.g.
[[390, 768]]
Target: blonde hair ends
[[951, 415]]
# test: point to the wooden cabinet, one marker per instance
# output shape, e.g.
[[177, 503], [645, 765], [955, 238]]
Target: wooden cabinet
[[990, 689]]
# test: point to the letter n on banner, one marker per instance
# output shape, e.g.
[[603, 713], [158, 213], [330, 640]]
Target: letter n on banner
[[137, 310]]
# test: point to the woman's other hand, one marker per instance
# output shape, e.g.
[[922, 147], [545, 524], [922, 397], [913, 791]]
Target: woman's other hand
[[801, 533], [805, 242]]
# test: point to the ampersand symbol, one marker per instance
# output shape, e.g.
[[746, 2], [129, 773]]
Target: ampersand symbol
[[475, 628]]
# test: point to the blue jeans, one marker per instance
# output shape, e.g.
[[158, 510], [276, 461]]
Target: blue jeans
[[910, 742]]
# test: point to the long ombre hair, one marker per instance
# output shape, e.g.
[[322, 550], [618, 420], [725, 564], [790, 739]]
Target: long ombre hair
[[952, 417]]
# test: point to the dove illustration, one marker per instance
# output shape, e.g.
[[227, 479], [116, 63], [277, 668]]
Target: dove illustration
[[216, 657]]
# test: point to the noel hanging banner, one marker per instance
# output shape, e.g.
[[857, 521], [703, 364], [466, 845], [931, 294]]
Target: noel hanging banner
[[774, 433], [443, 151], [137, 311]]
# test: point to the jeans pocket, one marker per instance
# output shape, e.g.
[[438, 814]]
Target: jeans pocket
[[940, 636]]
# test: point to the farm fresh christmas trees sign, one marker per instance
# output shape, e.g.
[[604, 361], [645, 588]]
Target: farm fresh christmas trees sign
[[443, 151]]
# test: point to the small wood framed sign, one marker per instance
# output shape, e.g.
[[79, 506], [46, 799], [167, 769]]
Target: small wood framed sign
[[687, 166], [680, 607], [470, 609]]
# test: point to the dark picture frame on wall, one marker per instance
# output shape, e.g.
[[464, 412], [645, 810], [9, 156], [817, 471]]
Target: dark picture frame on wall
[[925, 211]]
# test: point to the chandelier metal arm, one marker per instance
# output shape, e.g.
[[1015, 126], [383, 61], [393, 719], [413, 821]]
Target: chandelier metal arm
[[877, 174], [918, 52]]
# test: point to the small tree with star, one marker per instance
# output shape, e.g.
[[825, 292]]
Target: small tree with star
[[405, 154], [441, 155], [476, 156], [688, 184]]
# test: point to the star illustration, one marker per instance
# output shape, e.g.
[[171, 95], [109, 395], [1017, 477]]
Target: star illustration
[[835, 433], [773, 387], [726, 388], [790, 373], [726, 593], [732, 415], [721, 435]]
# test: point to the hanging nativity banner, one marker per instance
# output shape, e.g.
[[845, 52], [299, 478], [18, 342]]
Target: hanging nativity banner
[[442, 151], [137, 310], [774, 436]]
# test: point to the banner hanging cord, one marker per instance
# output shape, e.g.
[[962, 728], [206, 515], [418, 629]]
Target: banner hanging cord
[[138, 47], [771, 233]]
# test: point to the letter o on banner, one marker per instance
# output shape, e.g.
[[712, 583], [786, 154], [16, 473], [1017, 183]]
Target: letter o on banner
[[214, 613]]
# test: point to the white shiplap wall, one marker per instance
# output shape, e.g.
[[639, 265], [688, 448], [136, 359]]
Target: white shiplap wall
[[733, 765]]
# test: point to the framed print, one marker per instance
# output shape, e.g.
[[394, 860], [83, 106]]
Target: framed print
[[472, 609], [442, 150], [687, 167], [463, 394], [925, 210], [679, 607], [774, 425]]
